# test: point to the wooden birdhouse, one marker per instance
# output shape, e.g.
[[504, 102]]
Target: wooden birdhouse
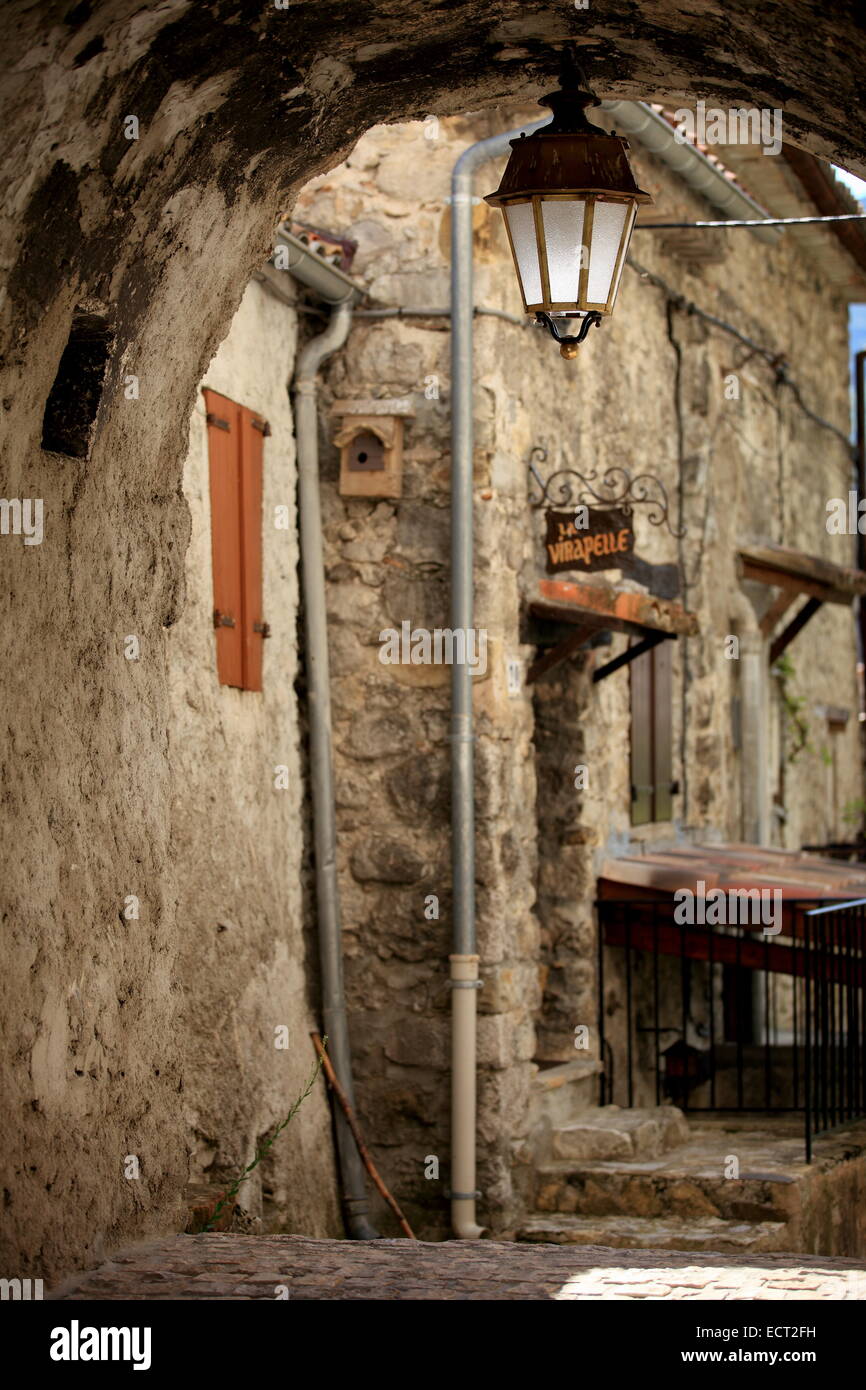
[[371, 446]]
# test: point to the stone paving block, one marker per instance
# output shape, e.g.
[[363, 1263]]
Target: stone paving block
[[231, 1267]]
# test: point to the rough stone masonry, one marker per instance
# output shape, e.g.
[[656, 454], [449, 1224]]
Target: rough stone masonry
[[237, 106], [648, 395]]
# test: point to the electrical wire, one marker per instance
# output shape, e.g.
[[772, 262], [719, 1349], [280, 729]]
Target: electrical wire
[[775, 360], [754, 222]]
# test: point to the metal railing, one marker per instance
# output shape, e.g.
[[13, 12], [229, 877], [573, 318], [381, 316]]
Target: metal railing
[[732, 1017]]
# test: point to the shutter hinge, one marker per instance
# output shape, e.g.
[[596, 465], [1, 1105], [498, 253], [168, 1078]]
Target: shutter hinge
[[263, 426], [217, 422], [222, 619], [263, 628]]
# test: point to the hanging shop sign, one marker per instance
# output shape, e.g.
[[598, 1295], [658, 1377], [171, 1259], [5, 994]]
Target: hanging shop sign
[[590, 521], [600, 544]]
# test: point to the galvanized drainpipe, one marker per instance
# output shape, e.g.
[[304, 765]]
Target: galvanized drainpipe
[[464, 958], [651, 130], [321, 755]]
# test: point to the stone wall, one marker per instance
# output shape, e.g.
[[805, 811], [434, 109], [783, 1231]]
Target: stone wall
[[648, 393]]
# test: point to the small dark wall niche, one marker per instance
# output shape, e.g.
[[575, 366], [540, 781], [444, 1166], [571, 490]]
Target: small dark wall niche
[[70, 411]]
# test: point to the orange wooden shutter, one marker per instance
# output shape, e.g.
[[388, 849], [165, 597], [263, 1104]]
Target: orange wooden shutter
[[223, 438], [235, 447]]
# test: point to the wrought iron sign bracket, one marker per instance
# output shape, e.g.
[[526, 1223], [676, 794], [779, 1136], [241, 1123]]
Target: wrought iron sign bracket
[[614, 488]]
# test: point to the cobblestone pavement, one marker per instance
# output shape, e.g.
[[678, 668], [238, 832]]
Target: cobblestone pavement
[[243, 1267]]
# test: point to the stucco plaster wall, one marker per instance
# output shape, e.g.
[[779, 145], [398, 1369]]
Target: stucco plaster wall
[[247, 966]]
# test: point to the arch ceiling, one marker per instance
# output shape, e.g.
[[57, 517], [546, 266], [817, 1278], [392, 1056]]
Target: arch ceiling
[[239, 104]]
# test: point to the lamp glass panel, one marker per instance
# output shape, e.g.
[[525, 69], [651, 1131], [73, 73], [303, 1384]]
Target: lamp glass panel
[[607, 227], [627, 238], [521, 224], [563, 237]]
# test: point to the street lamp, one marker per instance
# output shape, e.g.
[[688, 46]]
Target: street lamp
[[569, 200]]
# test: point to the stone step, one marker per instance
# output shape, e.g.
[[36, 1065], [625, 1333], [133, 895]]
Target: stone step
[[663, 1188], [561, 1093], [608, 1132], [654, 1233]]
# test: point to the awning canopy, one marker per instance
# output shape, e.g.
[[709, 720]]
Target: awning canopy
[[799, 875], [636, 905], [794, 573], [599, 607]]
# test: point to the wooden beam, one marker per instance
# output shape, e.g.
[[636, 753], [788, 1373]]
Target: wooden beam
[[781, 603], [781, 566], [811, 173], [628, 655], [791, 583], [554, 656], [797, 623]]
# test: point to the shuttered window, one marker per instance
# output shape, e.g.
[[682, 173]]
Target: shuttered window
[[235, 445], [652, 787]]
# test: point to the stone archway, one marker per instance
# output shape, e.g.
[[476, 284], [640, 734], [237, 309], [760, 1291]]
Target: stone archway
[[238, 104], [146, 244]]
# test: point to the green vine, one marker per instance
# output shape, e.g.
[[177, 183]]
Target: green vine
[[262, 1152], [793, 706], [853, 813]]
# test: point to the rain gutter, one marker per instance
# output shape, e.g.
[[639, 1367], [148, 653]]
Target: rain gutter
[[657, 136]]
